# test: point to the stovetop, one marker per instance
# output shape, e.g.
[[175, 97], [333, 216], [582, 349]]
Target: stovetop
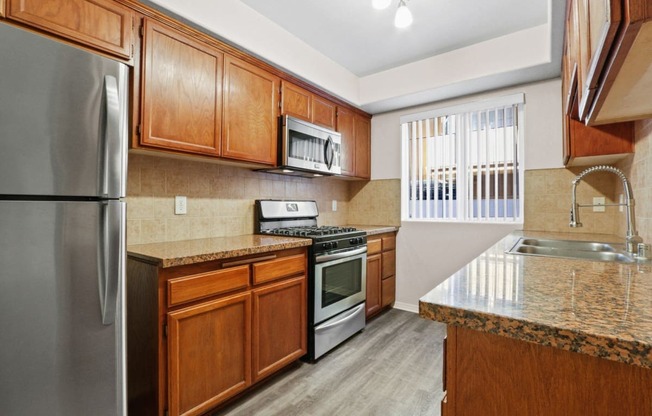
[[299, 219], [311, 231]]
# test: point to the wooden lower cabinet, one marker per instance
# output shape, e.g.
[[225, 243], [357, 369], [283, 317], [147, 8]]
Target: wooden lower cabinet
[[381, 272], [200, 334], [279, 325], [204, 370], [374, 263], [104, 25], [493, 375]]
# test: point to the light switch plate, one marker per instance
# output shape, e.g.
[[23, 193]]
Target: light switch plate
[[180, 207], [334, 205], [598, 204]]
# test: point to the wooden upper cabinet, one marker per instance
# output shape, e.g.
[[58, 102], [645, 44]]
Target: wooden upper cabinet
[[362, 146], [301, 103], [345, 126], [610, 40], [296, 101], [209, 353], [250, 126], [356, 143], [597, 25], [323, 112], [583, 61], [181, 92], [101, 24]]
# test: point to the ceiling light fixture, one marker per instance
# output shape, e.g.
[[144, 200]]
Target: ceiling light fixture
[[403, 17]]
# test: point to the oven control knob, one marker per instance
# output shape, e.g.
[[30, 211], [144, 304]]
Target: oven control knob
[[326, 246], [334, 244], [352, 241], [360, 240]]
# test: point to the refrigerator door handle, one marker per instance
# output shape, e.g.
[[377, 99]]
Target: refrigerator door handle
[[111, 135], [111, 259]]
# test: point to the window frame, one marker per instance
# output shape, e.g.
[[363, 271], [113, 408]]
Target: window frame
[[517, 100]]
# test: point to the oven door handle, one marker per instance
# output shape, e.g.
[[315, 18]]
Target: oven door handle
[[350, 315], [336, 256]]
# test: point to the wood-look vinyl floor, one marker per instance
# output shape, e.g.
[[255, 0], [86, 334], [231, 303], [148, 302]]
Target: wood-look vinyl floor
[[392, 368]]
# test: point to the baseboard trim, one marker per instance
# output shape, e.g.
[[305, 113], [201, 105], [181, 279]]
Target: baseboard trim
[[406, 307]]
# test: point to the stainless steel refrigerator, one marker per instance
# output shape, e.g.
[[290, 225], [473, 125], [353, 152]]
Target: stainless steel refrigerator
[[63, 125]]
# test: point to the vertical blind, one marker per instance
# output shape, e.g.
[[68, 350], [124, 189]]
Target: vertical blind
[[462, 163]]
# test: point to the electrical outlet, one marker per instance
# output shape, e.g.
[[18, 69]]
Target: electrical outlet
[[334, 205], [598, 204], [180, 207], [621, 201]]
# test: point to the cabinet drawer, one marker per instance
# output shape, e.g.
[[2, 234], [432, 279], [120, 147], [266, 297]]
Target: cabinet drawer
[[389, 263], [278, 268], [197, 286], [389, 243], [374, 246]]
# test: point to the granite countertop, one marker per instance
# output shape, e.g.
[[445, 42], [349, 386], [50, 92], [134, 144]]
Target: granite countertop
[[596, 308], [375, 229], [179, 253]]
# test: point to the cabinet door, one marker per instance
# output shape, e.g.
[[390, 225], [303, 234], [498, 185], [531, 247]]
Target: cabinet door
[[182, 92], [388, 291], [323, 112], [598, 24], [2, 8], [279, 325], [101, 24], [345, 126], [373, 284], [295, 101], [209, 353], [389, 263], [250, 112], [362, 147]]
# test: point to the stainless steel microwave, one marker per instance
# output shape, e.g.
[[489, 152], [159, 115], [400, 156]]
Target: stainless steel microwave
[[307, 149]]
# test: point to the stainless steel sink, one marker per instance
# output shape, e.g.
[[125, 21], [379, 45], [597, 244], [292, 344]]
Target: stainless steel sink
[[585, 250]]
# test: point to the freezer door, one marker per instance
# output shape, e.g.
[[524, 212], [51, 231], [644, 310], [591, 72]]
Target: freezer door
[[63, 119], [62, 275]]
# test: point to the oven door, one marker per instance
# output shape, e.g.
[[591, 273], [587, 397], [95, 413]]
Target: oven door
[[340, 282]]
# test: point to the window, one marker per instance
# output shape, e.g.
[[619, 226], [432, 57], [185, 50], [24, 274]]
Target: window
[[462, 163]]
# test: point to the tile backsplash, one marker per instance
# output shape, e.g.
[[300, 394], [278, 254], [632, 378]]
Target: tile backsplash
[[638, 168], [220, 198], [548, 200]]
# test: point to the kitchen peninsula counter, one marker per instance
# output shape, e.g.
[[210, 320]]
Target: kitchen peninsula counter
[[595, 308], [179, 253]]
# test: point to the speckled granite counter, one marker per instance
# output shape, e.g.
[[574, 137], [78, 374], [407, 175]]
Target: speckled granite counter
[[375, 229], [596, 308], [178, 253]]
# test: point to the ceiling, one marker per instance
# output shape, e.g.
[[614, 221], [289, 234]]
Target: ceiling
[[365, 41]]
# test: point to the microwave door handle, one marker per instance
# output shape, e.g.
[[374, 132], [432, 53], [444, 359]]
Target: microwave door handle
[[327, 153]]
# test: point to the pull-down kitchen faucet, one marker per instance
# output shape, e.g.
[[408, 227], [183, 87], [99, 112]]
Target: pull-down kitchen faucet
[[632, 238]]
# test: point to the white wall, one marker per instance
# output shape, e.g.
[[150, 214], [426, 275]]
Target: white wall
[[428, 253]]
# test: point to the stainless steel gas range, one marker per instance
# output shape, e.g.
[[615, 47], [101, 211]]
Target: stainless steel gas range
[[338, 270]]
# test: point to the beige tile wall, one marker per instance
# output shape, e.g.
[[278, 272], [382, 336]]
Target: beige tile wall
[[376, 202], [638, 169], [548, 200], [220, 198]]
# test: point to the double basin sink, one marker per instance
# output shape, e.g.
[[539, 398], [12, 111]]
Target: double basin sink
[[584, 250]]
